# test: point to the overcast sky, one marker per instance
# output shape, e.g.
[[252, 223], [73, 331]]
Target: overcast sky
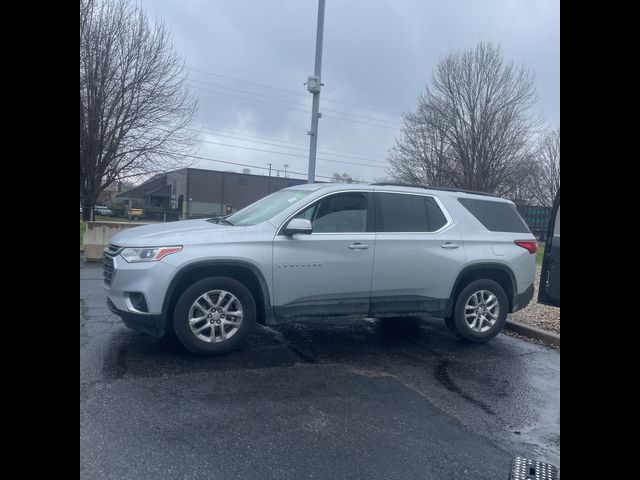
[[378, 56]]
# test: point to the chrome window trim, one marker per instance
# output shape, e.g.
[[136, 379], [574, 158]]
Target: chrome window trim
[[444, 210]]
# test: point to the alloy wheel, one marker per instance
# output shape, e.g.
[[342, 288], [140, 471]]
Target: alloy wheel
[[481, 310], [215, 316]]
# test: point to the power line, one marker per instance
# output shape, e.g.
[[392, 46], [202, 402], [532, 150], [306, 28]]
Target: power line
[[299, 110], [209, 132], [211, 159], [292, 154], [292, 102], [291, 91], [287, 141], [362, 106], [362, 123], [284, 146], [246, 91], [250, 99], [290, 108], [247, 82]]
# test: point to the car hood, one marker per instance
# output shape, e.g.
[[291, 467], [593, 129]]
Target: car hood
[[173, 233]]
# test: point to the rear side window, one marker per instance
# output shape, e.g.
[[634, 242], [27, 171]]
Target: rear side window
[[407, 213], [496, 216]]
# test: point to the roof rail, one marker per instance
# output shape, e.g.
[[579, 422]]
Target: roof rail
[[444, 189]]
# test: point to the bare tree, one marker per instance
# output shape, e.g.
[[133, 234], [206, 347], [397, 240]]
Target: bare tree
[[342, 178], [134, 105], [473, 125], [546, 181]]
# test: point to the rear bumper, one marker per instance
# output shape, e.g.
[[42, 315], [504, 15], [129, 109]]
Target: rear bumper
[[521, 300], [154, 325]]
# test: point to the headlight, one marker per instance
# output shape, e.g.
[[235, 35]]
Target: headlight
[[147, 254]]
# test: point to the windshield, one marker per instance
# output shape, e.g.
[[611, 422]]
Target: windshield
[[269, 206]]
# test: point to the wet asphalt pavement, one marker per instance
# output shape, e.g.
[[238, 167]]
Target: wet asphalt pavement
[[367, 399]]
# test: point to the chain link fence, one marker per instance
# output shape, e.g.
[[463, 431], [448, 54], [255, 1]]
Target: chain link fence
[[144, 214], [537, 218]]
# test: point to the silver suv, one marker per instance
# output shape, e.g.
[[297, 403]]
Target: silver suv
[[325, 250]]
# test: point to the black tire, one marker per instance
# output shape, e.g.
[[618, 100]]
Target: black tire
[[181, 315], [462, 327]]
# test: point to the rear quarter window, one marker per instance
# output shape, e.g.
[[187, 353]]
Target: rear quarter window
[[496, 216]]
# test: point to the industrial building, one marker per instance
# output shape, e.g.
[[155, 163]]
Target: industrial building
[[198, 192]]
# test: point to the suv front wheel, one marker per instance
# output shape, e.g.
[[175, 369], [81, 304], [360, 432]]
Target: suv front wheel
[[214, 315], [480, 310]]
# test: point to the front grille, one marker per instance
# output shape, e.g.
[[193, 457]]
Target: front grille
[[107, 272], [109, 252]]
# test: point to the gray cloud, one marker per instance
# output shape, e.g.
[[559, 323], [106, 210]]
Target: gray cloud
[[377, 54]]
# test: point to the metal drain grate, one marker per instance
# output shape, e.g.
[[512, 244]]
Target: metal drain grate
[[524, 469]]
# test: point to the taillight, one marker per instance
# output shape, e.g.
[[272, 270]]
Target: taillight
[[530, 246]]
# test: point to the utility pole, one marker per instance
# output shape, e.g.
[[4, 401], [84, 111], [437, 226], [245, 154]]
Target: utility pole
[[313, 86], [269, 180]]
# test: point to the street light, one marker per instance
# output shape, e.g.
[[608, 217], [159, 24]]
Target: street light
[[314, 83]]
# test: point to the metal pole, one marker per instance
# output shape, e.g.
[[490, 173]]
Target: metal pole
[[269, 184], [222, 212], [313, 86]]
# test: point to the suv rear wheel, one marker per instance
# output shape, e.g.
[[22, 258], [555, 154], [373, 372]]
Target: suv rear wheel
[[480, 311], [214, 315]]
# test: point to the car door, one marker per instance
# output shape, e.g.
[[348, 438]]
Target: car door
[[419, 252], [327, 272], [549, 288]]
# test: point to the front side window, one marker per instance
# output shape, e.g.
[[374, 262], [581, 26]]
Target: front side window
[[397, 212], [341, 213]]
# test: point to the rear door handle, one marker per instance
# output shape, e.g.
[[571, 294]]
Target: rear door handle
[[358, 246], [449, 245]]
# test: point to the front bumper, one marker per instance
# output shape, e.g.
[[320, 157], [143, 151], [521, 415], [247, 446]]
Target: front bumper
[[151, 279], [154, 325]]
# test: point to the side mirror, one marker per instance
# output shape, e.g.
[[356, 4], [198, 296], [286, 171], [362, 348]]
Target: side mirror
[[298, 225]]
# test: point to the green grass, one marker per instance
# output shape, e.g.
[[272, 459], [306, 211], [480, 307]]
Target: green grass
[[540, 253]]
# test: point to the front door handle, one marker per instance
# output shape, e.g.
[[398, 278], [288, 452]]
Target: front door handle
[[449, 245], [358, 246]]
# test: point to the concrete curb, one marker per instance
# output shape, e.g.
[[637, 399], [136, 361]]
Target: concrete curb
[[549, 338]]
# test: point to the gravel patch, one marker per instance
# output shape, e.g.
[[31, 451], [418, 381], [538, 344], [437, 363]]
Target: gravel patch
[[536, 314], [530, 340]]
